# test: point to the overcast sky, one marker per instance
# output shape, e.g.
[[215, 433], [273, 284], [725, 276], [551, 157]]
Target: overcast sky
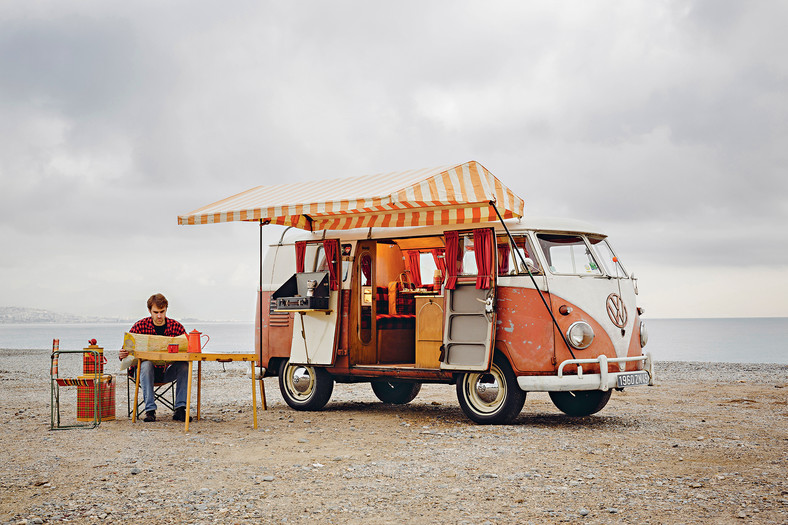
[[662, 122]]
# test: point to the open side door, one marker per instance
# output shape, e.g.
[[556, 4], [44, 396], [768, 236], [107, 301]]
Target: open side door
[[469, 329], [363, 332]]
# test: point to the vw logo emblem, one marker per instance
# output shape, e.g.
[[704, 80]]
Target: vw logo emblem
[[616, 310]]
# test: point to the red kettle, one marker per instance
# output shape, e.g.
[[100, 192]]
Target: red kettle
[[194, 341]]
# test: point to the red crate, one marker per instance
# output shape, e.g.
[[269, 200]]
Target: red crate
[[85, 398]]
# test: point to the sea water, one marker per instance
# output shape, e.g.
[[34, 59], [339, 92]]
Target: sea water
[[224, 337], [726, 340], [740, 340]]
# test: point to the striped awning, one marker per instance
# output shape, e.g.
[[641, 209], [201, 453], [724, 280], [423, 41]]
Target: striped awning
[[460, 194]]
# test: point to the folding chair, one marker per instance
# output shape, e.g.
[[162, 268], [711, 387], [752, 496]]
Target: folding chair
[[164, 393]]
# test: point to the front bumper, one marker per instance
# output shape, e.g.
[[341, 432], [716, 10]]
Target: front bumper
[[605, 380]]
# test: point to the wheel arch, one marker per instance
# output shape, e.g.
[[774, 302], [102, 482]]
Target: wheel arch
[[273, 366]]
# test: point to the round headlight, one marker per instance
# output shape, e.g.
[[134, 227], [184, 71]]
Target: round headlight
[[580, 335], [643, 334]]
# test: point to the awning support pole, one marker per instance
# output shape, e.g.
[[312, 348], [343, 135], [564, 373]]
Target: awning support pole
[[260, 290], [533, 280]]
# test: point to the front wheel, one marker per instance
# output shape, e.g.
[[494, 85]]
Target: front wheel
[[305, 387], [581, 402], [491, 398], [395, 392]]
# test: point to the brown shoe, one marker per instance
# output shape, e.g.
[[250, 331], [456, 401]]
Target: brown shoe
[[150, 415], [180, 414]]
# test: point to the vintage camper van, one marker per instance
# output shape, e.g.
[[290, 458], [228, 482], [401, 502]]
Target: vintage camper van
[[457, 286]]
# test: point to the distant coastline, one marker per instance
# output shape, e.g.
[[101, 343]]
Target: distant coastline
[[19, 315]]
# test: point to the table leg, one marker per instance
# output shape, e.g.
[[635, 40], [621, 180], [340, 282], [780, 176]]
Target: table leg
[[199, 387], [254, 397], [262, 389], [136, 391], [189, 397]]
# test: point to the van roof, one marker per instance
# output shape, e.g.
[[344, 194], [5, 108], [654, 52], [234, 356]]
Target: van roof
[[551, 224]]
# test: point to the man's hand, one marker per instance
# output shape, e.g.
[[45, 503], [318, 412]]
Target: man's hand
[[123, 354]]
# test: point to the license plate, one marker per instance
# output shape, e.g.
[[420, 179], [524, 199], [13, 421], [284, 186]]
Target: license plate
[[632, 379]]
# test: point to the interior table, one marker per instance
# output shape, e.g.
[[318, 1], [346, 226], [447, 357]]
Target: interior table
[[199, 357]]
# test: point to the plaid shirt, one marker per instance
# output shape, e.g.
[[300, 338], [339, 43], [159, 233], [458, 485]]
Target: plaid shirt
[[145, 326]]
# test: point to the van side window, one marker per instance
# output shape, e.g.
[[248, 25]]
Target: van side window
[[315, 260], [347, 261], [509, 262], [467, 255], [568, 254], [427, 268]]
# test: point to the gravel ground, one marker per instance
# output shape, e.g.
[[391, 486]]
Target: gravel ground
[[707, 444]]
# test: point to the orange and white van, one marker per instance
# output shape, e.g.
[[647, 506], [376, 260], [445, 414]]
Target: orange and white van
[[435, 276]]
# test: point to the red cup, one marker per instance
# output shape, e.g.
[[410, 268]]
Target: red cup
[[172, 348]]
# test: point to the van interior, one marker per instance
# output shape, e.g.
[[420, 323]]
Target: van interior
[[395, 303]]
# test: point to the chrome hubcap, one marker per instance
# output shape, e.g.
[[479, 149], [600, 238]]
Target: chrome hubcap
[[301, 379], [487, 388], [486, 392]]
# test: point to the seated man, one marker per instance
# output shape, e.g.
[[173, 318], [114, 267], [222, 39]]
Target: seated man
[[159, 324]]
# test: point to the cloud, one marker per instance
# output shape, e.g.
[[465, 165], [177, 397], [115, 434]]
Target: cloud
[[664, 122]]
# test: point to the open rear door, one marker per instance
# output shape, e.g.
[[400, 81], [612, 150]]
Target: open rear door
[[469, 329], [314, 339], [314, 334]]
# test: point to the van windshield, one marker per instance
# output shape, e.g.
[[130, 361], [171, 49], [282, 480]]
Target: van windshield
[[605, 256], [568, 254]]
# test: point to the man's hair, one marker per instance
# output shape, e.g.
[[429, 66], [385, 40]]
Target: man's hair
[[158, 300]]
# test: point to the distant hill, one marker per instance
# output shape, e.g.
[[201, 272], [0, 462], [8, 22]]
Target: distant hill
[[15, 314]]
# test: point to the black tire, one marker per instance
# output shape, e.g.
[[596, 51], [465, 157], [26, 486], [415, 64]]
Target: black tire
[[396, 392], [491, 398], [305, 387], [580, 403]]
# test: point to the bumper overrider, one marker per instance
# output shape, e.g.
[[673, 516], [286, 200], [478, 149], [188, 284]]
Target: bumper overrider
[[605, 380]]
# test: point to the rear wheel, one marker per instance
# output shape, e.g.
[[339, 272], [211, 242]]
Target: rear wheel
[[305, 387], [395, 392], [491, 398], [581, 402]]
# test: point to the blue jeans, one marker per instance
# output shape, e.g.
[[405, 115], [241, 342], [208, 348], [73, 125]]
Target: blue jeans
[[177, 371]]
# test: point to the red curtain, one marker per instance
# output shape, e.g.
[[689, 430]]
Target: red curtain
[[331, 247], [438, 255], [300, 248], [483, 249], [366, 267], [413, 263], [452, 247], [503, 258]]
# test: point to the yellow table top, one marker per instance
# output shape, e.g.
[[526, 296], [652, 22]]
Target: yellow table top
[[191, 356]]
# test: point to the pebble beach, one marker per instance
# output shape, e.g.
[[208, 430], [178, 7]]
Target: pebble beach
[[706, 444]]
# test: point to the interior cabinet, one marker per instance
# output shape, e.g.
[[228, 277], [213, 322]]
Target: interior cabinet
[[429, 330]]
